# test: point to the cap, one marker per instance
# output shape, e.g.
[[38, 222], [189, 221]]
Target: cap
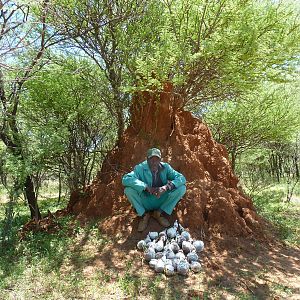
[[153, 152]]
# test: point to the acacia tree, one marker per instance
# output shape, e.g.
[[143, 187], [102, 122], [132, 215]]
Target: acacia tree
[[21, 32], [98, 29], [270, 115], [210, 50], [68, 127]]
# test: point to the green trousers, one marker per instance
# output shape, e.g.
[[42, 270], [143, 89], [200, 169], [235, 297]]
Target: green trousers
[[143, 202]]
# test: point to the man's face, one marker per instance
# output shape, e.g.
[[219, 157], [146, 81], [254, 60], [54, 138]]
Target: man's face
[[154, 163]]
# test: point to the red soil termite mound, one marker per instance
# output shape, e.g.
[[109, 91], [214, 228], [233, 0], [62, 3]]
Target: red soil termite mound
[[213, 203]]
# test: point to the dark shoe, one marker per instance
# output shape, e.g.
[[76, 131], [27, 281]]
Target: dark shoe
[[144, 222], [160, 219]]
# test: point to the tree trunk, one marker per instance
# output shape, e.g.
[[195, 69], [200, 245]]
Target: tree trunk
[[31, 199], [233, 159], [59, 186]]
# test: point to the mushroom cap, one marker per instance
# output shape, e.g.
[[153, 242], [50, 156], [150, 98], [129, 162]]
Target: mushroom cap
[[187, 247], [175, 247], [199, 245], [170, 254], [159, 246], [183, 267], [159, 267], [149, 254], [192, 256], [152, 263], [168, 247], [141, 245], [171, 232], [153, 235], [180, 255], [185, 235], [195, 266], [169, 270]]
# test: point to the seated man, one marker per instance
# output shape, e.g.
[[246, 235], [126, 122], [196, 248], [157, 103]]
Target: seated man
[[153, 186]]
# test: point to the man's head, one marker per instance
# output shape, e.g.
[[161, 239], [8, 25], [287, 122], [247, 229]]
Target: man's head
[[154, 158]]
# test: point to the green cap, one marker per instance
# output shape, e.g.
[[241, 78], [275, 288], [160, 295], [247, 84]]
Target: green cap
[[153, 152]]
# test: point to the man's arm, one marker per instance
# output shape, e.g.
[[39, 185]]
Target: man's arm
[[176, 178], [132, 180]]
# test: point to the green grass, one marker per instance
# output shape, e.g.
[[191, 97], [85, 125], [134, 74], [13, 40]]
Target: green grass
[[47, 266], [54, 266], [284, 216]]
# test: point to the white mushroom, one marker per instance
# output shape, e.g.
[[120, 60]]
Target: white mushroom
[[149, 254], [180, 255], [159, 246], [152, 263], [183, 267], [195, 266], [153, 235], [187, 247], [169, 270], [141, 245], [170, 254], [159, 267], [199, 245], [171, 232], [175, 247], [185, 235], [192, 256]]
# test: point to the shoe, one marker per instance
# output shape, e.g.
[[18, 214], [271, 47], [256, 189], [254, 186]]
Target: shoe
[[144, 222], [161, 220]]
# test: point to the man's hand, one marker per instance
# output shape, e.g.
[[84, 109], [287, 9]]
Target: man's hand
[[151, 190], [161, 190], [157, 191]]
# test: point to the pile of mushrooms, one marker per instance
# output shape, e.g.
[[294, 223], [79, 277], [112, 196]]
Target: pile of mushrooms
[[172, 251]]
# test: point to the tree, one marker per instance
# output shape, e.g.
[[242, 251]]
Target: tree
[[210, 50], [21, 31], [97, 29], [270, 115], [65, 122]]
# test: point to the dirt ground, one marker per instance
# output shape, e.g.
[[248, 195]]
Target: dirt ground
[[233, 268]]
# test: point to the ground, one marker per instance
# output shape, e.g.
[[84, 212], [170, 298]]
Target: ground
[[232, 269], [78, 262]]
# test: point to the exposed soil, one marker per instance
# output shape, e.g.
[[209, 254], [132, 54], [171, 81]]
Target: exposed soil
[[231, 266], [213, 203]]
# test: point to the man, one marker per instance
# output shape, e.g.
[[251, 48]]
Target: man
[[154, 186]]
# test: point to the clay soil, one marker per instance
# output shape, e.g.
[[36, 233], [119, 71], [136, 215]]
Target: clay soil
[[213, 203]]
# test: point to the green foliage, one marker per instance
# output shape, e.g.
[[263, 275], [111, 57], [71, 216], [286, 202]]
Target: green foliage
[[209, 49], [39, 258], [284, 216], [266, 116], [65, 121]]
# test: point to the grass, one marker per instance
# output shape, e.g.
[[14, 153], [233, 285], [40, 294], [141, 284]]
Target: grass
[[285, 216], [62, 265]]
